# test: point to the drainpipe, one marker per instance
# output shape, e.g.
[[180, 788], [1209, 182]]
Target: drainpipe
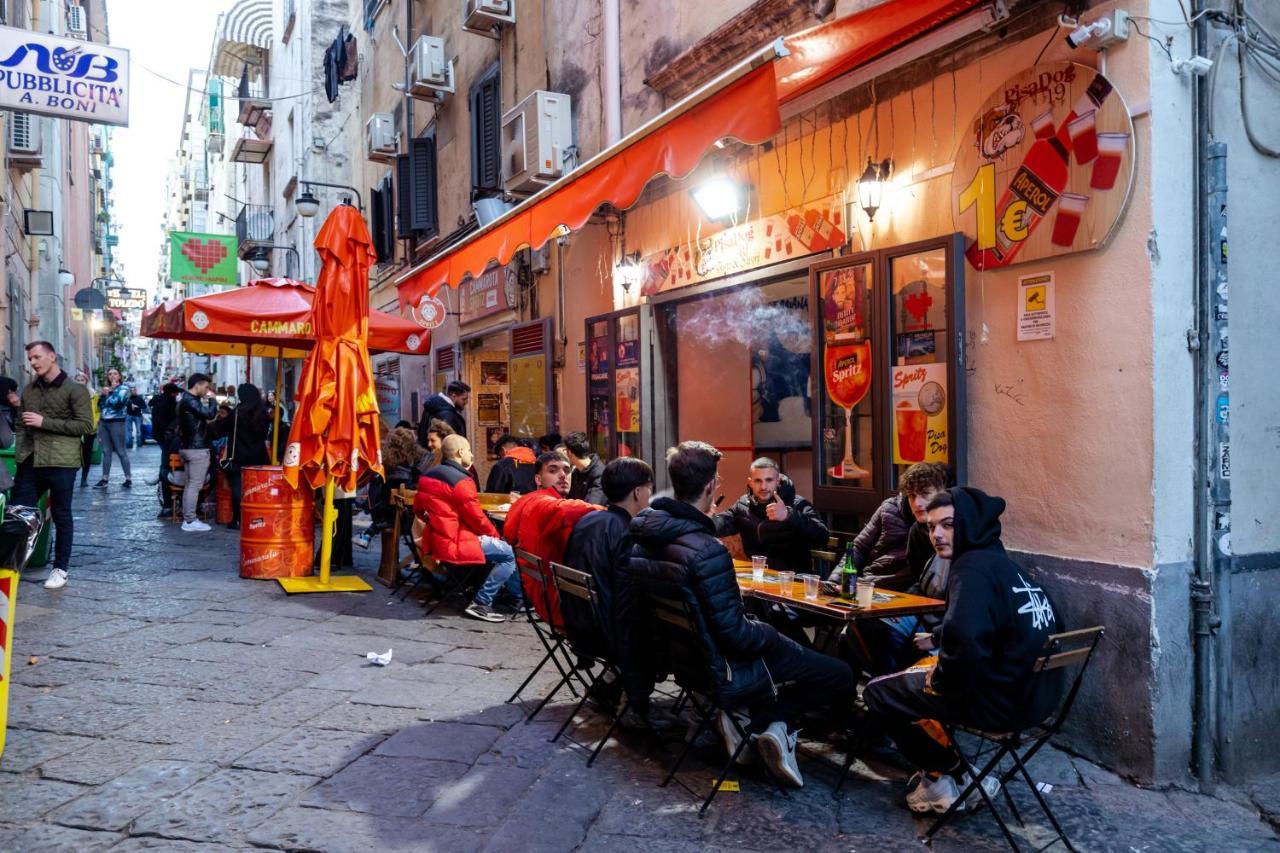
[[612, 73], [1213, 492]]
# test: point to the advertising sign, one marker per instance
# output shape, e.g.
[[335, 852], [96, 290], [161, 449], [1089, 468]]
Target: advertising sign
[[63, 77], [1045, 169], [793, 233], [386, 385], [493, 292], [919, 413], [203, 258], [1035, 307], [126, 298]]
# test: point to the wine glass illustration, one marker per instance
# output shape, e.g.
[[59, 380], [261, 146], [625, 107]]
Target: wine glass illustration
[[848, 373]]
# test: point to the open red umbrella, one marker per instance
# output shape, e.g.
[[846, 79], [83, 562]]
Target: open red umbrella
[[335, 433]]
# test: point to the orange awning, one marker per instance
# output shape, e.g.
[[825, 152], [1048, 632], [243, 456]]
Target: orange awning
[[743, 104], [264, 316]]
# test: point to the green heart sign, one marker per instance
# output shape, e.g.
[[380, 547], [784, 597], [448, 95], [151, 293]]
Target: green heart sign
[[203, 258]]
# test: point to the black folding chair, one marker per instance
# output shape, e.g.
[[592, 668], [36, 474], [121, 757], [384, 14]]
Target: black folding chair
[[535, 585], [1070, 648], [584, 630], [681, 645]]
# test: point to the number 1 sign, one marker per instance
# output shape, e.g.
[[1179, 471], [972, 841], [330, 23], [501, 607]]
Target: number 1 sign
[[1045, 169]]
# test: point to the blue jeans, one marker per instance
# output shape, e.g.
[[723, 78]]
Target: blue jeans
[[134, 430], [499, 554]]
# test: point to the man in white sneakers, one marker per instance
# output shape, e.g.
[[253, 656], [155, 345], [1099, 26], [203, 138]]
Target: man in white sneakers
[[196, 408]]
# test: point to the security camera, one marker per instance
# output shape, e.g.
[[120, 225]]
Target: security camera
[[1082, 34], [1100, 34], [1196, 65]]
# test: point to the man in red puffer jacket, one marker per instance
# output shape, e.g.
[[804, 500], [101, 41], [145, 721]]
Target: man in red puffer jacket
[[541, 523], [458, 531]]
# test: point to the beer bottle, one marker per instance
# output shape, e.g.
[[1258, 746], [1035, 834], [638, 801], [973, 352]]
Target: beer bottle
[[848, 574]]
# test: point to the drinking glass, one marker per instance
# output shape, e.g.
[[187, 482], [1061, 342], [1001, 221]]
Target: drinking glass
[[1067, 221], [1084, 137], [785, 580], [864, 592], [810, 587], [1111, 149], [848, 376], [758, 565], [1042, 125]]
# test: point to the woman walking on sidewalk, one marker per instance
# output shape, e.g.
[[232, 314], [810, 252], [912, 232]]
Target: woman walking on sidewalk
[[113, 404]]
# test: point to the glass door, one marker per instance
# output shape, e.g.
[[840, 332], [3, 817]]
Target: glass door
[[613, 383]]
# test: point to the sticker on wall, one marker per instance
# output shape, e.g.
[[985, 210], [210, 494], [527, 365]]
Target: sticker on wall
[[1035, 307], [1045, 169]]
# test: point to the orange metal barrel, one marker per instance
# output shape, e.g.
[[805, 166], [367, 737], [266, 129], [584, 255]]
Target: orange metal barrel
[[277, 525], [223, 515]]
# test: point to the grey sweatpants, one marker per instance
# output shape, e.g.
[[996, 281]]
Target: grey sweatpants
[[111, 434], [197, 464]]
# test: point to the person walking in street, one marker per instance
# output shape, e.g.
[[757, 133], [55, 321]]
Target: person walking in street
[[87, 441], [196, 408], [134, 414], [447, 406], [113, 406], [53, 413], [246, 432], [164, 429]]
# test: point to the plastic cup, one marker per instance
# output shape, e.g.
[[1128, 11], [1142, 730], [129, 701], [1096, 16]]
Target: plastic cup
[[1084, 137], [864, 592], [1067, 220], [1042, 125], [1111, 150], [810, 587], [758, 565], [912, 425], [785, 580]]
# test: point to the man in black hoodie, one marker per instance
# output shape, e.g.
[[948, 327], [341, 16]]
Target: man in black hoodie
[[994, 629], [588, 470], [448, 406], [677, 554], [773, 520]]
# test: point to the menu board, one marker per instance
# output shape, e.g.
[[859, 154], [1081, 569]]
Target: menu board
[[529, 405]]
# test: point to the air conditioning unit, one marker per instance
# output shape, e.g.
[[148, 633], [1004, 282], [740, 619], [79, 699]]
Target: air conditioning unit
[[380, 138], [536, 135], [24, 139], [431, 71], [486, 17], [76, 25]]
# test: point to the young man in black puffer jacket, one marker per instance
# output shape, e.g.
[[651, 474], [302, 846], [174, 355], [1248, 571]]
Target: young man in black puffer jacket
[[773, 520], [676, 552]]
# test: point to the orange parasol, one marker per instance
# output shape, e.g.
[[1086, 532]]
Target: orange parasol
[[335, 434]]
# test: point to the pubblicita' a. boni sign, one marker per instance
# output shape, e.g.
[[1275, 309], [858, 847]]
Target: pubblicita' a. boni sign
[[63, 78]]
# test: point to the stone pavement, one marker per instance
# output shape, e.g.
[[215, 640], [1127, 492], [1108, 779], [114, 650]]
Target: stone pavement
[[161, 703]]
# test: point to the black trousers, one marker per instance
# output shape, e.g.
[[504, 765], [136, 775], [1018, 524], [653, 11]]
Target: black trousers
[[30, 483], [808, 680], [86, 454], [897, 702]]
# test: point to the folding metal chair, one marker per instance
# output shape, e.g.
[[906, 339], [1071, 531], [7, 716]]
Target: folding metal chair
[[584, 630], [691, 661], [1070, 648], [536, 586]]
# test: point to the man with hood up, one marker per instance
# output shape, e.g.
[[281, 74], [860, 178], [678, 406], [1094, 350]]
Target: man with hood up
[[994, 630], [773, 520], [513, 472]]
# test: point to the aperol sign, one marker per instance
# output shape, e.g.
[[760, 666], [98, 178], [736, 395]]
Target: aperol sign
[[1045, 169]]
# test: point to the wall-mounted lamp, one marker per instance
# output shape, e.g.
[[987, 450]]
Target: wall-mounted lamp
[[630, 272], [720, 198], [871, 186], [66, 278], [308, 205]]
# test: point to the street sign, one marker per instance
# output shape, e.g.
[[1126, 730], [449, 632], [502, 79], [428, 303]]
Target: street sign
[[126, 298], [90, 299]]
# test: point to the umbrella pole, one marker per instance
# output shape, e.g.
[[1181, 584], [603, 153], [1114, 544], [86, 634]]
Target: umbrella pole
[[275, 426], [325, 582], [327, 521]]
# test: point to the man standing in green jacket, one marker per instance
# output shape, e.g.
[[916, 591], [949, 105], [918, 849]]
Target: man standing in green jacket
[[52, 415]]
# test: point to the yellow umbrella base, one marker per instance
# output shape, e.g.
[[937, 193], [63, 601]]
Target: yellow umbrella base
[[337, 583]]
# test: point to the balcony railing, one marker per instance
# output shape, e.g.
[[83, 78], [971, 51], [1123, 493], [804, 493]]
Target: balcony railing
[[254, 228]]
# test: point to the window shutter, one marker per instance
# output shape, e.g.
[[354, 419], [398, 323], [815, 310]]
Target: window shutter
[[388, 229], [376, 224], [486, 144], [404, 198], [422, 179]]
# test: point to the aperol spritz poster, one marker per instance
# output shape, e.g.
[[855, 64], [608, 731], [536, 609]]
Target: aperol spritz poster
[[846, 305]]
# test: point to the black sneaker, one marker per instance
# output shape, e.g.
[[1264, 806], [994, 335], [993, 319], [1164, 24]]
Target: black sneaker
[[101, 484], [127, 484], [476, 610]]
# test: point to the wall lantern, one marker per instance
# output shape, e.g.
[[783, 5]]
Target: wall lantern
[[630, 272], [871, 186]]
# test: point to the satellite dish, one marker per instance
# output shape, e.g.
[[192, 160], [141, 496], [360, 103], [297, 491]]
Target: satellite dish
[[90, 299]]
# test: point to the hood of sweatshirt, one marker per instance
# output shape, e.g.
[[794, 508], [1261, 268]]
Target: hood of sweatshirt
[[522, 455], [977, 519]]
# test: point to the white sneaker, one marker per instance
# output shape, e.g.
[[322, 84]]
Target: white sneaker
[[932, 795], [730, 736], [777, 748], [57, 579], [196, 526]]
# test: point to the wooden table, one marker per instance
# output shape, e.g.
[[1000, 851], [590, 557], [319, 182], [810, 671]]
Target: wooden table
[[495, 505], [888, 603]]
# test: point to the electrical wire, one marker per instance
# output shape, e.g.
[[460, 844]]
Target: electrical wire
[[1157, 42], [206, 93]]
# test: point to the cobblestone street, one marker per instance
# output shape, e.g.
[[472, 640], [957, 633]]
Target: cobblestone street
[[162, 703]]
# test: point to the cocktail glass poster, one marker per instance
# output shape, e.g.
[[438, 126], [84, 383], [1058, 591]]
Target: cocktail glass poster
[[918, 380], [846, 305]]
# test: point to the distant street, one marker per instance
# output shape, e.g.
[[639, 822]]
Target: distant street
[[162, 703]]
